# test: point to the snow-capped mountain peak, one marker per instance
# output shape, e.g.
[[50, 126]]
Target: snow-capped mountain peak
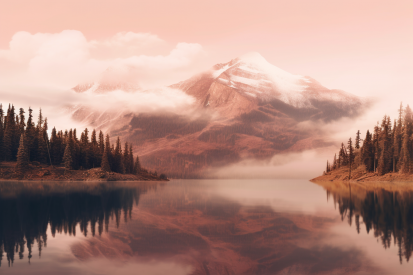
[[248, 81], [256, 77]]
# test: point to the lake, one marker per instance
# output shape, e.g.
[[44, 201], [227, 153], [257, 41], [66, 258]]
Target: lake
[[203, 227]]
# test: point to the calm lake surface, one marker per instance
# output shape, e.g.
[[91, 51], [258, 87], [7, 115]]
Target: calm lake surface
[[203, 227]]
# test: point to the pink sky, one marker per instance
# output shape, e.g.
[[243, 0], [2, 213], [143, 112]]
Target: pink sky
[[362, 47], [339, 43]]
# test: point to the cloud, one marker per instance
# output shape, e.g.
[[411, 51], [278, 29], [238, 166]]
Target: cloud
[[156, 100], [67, 58], [125, 44]]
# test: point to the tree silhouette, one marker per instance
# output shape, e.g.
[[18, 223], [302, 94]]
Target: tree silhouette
[[105, 161], [22, 156], [67, 157], [357, 142]]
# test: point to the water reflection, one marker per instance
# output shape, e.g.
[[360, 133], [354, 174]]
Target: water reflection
[[389, 214], [215, 235], [26, 211], [182, 227]]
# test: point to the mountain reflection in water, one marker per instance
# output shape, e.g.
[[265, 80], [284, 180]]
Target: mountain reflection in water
[[388, 213], [181, 227]]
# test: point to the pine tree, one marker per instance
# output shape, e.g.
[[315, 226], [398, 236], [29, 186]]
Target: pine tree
[[67, 157], [22, 120], [137, 168], [42, 147], [350, 155], [396, 144], [343, 155], [385, 159], [367, 152], [398, 135], [55, 147], [22, 156], [405, 153], [29, 136], [335, 162], [376, 147], [105, 160], [131, 161], [125, 158], [101, 142], [117, 167], [9, 135], [357, 144], [95, 155]]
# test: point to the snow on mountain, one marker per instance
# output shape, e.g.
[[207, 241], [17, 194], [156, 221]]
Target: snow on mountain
[[241, 84], [245, 108], [256, 77]]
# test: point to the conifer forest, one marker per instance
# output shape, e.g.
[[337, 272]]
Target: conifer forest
[[25, 141], [387, 149]]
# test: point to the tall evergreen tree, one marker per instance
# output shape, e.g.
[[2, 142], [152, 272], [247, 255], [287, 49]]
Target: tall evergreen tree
[[105, 160], [137, 167], [343, 155], [125, 158], [55, 147], [398, 135], [131, 161], [29, 136], [357, 142], [22, 123], [350, 155], [118, 165], [9, 141], [385, 159], [67, 157], [42, 153], [405, 153], [22, 156], [376, 147], [367, 152], [101, 142]]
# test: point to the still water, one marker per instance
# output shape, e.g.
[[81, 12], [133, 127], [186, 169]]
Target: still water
[[203, 227]]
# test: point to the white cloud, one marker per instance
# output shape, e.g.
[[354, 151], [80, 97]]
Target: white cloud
[[67, 58], [125, 44]]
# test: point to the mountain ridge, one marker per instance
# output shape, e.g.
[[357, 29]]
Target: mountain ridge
[[244, 108]]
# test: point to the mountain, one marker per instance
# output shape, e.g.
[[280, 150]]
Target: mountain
[[244, 83], [243, 109]]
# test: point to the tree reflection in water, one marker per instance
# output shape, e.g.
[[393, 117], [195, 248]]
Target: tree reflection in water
[[388, 213], [27, 211]]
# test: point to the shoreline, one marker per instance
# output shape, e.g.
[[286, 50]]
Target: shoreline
[[368, 181], [39, 172]]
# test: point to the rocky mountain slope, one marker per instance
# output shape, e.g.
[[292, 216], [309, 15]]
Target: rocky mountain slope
[[246, 108]]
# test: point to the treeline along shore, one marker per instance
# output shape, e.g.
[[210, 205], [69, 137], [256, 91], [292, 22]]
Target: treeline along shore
[[386, 154], [27, 152]]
